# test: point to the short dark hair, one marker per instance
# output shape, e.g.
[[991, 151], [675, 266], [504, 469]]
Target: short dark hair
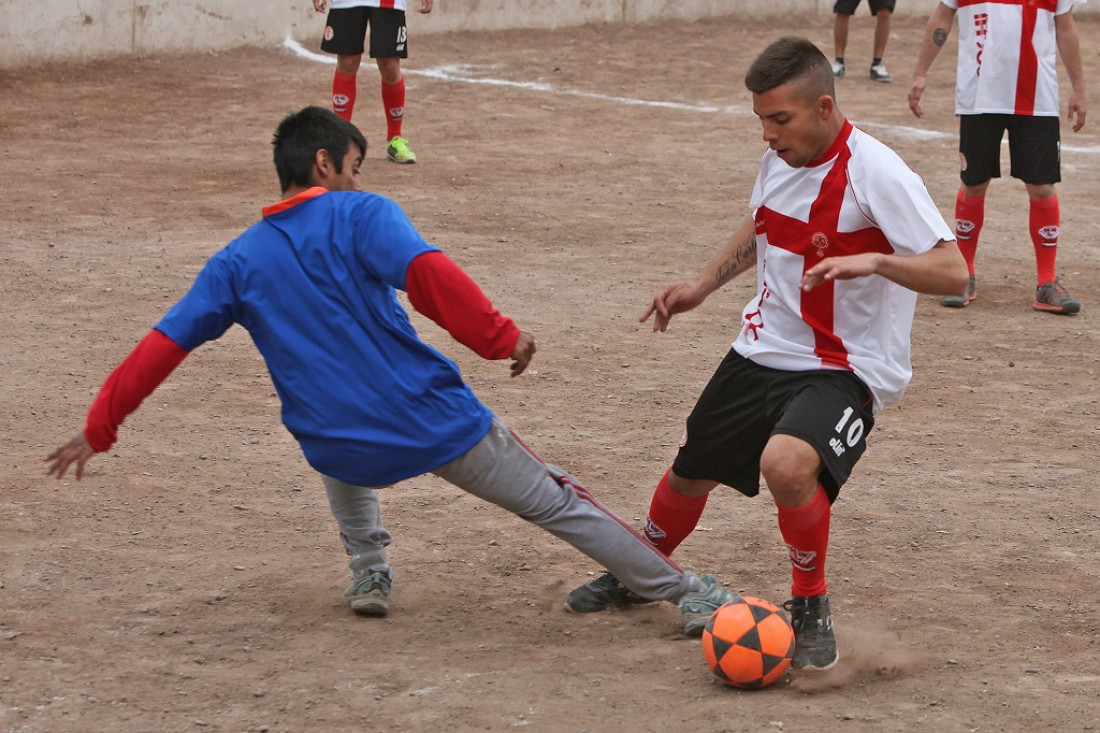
[[791, 59], [301, 134]]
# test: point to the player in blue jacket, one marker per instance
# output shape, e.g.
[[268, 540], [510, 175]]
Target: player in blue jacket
[[313, 283]]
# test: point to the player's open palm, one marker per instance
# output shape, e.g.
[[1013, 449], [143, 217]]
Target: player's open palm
[[78, 451], [671, 299]]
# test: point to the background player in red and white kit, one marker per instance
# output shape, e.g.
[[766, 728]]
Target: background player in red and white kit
[[345, 33], [1007, 79], [843, 235], [370, 403]]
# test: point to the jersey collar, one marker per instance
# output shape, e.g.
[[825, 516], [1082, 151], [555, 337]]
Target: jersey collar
[[309, 193]]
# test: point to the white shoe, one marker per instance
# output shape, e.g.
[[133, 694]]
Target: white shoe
[[879, 73]]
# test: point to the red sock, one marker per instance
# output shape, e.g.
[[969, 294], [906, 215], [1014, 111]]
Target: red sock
[[393, 99], [672, 517], [343, 94], [969, 217], [1042, 221], [805, 529]]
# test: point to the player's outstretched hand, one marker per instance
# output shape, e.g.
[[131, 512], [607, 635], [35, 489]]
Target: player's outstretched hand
[[916, 90], [522, 353], [425, 6], [671, 299], [78, 451], [320, 5], [840, 268]]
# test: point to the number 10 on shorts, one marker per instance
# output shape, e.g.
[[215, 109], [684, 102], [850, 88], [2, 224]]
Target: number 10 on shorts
[[848, 435]]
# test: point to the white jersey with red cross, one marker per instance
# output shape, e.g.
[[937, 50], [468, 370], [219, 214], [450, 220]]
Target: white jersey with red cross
[[1008, 56], [858, 197], [340, 4]]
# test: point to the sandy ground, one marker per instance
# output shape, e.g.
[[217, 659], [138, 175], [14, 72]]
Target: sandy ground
[[192, 581]]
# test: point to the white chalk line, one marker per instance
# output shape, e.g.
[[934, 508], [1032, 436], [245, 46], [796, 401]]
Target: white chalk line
[[467, 74]]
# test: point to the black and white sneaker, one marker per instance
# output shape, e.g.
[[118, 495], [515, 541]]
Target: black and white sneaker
[[814, 640], [879, 73]]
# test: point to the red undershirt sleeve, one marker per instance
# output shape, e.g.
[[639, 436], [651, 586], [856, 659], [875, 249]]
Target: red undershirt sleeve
[[149, 364], [439, 289]]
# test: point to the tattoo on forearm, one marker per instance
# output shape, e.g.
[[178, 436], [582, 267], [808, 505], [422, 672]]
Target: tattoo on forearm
[[738, 261], [939, 36]]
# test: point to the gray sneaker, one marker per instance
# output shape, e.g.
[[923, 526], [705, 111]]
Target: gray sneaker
[[814, 640], [879, 73], [961, 301], [1051, 297], [838, 69], [600, 594], [697, 606], [369, 593]]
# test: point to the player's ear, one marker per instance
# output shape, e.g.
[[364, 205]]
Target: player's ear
[[323, 167], [826, 106]]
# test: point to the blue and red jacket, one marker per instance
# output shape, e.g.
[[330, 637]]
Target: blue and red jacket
[[314, 285]]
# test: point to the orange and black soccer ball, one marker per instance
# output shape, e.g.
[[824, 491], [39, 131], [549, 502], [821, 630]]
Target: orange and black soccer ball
[[748, 643]]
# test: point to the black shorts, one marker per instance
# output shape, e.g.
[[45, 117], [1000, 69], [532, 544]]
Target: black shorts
[[346, 30], [745, 404], [1034, 148], [848, 7]]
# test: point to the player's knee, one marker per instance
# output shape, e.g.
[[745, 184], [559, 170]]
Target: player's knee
[[790, 468], [349, 64], [1040, 191], [693, 488]]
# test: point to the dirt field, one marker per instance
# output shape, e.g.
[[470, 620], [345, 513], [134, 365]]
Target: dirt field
[[192, 581]]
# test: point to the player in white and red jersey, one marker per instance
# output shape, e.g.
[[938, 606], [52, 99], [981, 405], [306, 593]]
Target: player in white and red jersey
[[345, 33], [1007, 80], [842, 235]]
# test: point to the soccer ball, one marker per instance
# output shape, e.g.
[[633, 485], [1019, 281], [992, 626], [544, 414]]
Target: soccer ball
[[748, 643]]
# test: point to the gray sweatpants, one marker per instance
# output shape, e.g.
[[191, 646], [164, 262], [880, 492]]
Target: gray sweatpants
[[501, 470]]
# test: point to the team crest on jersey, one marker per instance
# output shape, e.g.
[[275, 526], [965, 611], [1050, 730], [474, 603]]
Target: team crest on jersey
[[802, 559], [329, 33], [820, 243], [1049, 235]]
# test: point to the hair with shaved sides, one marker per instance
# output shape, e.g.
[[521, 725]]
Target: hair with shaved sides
[[796, 61]]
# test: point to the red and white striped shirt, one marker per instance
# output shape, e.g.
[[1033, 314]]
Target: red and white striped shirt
[[1008, 56], [859, 197]]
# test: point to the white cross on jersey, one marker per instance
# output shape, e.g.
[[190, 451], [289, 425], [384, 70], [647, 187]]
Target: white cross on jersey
[[1008, 56], [859, 197]]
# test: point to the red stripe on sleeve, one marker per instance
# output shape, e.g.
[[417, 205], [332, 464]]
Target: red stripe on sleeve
[[439, 289], [149, 364]]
